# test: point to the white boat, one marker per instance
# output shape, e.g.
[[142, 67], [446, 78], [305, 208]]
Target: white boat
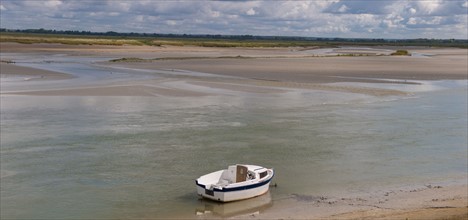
[[237, 182]]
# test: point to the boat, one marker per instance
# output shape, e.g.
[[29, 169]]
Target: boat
[[237, 182]]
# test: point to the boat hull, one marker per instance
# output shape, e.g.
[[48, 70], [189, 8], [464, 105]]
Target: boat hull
[[235, 193]]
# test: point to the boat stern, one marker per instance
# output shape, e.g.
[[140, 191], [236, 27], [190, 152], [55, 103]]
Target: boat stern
[[209, 192]]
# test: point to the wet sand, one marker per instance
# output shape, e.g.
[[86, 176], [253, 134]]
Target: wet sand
[[9, 70], [277, 70], [190, 87], [280, 64], [321, 69], [423, 202], [264, 69]]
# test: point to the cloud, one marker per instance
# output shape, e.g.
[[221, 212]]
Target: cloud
[[358, 7], [431, 22], [333, 18], [251, 11], [343, 9], [52, 3], [171, 22]]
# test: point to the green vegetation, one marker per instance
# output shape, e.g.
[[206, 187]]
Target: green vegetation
[[400, 53], [28, 38], [114, 38], [65, 39], [235, 43]]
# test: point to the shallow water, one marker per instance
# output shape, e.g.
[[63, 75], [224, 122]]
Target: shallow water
[[347, 50], [86, 71], [136, 157]]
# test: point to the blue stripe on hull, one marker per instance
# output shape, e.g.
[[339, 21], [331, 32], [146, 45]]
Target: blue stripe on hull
[[238, 188]]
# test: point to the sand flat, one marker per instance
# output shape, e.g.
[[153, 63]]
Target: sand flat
[[443, 63], [262, 69], [11, 70], [424, 202], [321, 69], [284, 64]]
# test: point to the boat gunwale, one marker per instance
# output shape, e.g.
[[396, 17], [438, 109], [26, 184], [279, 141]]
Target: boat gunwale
[[243, 187]]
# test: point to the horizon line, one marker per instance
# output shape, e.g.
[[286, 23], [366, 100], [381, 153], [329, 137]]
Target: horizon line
[[115, 33]]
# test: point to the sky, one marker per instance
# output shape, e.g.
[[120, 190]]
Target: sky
[[440, 19]]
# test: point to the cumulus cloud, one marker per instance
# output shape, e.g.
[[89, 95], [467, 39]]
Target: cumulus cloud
[[358, 7], [250, 12], [333, 18]]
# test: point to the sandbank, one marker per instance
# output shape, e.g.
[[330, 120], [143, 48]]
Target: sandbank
[[423, 202], [9, 70], [280, 64], [258, 70], [146, 51], [320, 69]]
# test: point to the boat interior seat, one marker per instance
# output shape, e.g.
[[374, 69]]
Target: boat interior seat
[[225, 178], [222, 182]]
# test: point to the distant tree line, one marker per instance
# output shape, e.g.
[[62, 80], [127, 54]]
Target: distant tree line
[[416, 42]]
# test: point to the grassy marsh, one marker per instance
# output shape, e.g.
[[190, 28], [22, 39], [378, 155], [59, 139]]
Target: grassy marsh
[[67, 39], [30, 38], [400, 53], [179, 40]]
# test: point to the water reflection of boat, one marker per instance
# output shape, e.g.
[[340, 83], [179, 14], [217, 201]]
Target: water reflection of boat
[[235, 183], [225, 210]]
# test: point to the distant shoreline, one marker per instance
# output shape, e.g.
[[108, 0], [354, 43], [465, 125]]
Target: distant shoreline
[[248, 41]]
